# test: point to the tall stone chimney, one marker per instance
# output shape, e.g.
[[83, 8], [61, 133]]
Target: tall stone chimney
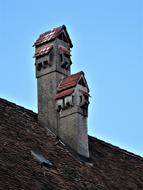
[[72, 105], [52, 62], [62, 97]]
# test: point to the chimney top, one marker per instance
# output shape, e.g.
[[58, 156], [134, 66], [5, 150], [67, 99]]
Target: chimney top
[[51, 35]]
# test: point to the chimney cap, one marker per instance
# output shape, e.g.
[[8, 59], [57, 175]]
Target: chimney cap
[[51, 35]]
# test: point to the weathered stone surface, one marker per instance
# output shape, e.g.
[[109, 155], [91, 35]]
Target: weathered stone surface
[[20, 133]]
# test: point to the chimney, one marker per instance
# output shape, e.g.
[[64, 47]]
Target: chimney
[[62, 97]]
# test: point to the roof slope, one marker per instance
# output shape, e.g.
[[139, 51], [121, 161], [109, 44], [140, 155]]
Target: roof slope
[[20, 133]]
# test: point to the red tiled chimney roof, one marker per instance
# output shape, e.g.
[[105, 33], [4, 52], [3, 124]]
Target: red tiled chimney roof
[[43, 50], [51, 35], [69, 81], [67, 85]]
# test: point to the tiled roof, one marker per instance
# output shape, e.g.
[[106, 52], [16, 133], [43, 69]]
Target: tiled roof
[[51, 35], [113, 168], [70, 81], [43, 50], [64, 93]]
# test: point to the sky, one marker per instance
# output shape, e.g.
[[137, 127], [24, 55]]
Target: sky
[[108, 46]]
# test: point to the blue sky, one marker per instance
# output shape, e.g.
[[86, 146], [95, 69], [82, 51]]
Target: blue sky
[[108, 46]]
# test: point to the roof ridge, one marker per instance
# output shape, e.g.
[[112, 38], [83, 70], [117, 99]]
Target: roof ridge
[[126, 152], [80, 72], [18, 106], [70, 76]]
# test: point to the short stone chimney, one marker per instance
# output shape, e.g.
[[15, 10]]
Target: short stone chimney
[[62, 98]]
